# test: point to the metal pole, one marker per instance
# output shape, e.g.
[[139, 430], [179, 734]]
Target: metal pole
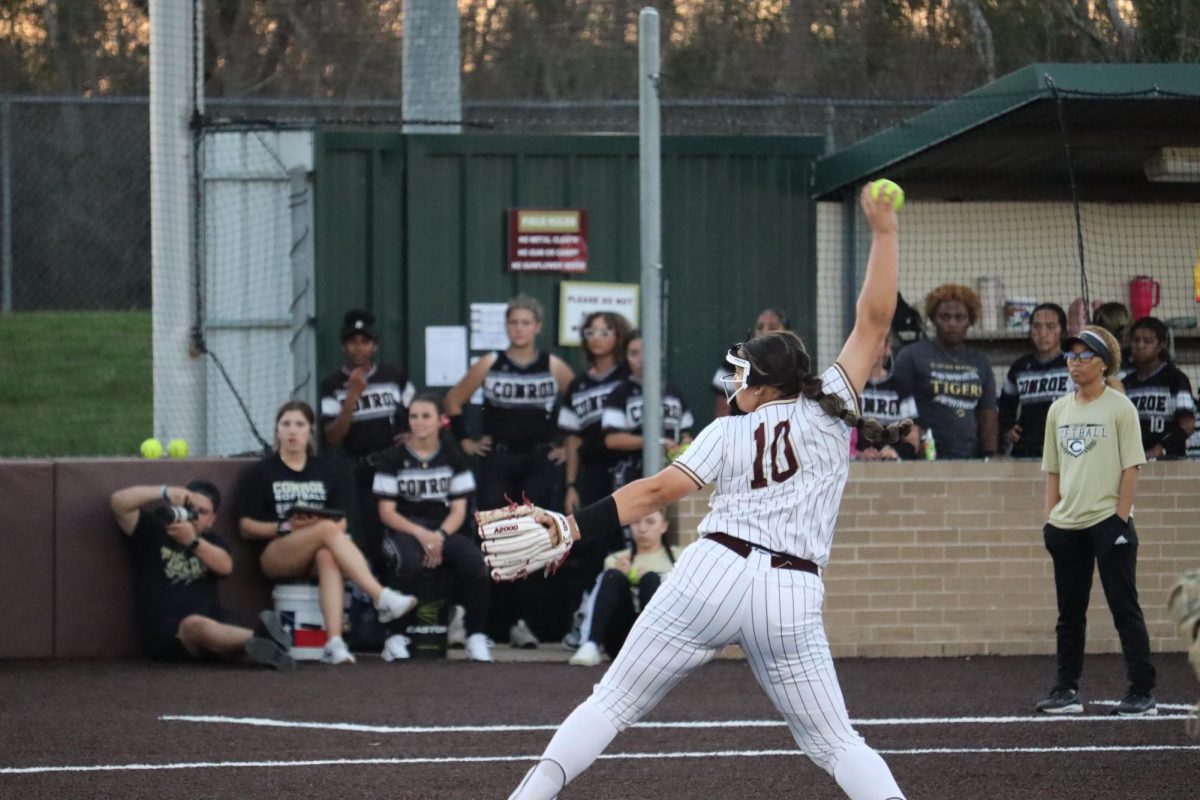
[[650, 175], [179, 389], [6, 206]]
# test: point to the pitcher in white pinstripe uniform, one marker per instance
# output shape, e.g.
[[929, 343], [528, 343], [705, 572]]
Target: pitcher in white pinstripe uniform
[[780, 465]]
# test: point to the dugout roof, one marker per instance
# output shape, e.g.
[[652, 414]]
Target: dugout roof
[[1005, 140]]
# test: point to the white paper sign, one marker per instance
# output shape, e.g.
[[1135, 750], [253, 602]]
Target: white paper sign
[[487, 326], [577, 299], [445, 354]]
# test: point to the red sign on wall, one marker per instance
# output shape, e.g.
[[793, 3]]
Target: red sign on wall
[[547, 240]]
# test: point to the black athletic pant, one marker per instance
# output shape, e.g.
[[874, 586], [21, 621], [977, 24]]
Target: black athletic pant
[[612, 608], [460, 554], [505, 474], [508, 474], [1074, 553], [370, 534], [593, 482]]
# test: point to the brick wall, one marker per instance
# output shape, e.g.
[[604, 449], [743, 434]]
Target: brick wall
[[946, 559]]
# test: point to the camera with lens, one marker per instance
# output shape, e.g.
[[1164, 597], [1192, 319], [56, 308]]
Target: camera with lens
[[169, 515]]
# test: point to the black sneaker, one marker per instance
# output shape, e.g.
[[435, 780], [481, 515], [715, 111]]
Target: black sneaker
[[1061, 701], [1134, 704], [267, 652], [269, 627]]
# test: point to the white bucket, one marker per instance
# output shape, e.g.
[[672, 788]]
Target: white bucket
[[299, 608]]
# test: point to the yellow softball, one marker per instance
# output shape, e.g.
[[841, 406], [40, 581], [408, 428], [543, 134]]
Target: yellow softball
[[890, 190]]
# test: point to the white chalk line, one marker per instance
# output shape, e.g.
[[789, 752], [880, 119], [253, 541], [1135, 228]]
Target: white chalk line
[[327, 762], [264, 722]]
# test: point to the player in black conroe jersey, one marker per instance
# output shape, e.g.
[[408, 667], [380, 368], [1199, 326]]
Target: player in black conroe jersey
[[882, 400], [364, 408], [622, 420], [423, 486], [1034, 381], [518, 452], [589, 462], [1160, 392]]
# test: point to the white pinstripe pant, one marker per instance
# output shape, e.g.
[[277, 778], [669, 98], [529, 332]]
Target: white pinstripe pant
[[712, 598]]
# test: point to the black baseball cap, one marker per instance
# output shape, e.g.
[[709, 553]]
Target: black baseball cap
[[1092, 341], [358, 321]]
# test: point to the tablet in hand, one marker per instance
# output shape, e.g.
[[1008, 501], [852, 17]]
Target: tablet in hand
[[315, 511]]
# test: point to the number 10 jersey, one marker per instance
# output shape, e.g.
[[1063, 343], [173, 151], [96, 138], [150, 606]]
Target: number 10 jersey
[[779, 472]]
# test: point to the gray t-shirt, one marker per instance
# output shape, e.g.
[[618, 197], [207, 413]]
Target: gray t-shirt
[[949, 388]]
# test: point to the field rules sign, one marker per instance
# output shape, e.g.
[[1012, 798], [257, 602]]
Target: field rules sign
[[547, 240]]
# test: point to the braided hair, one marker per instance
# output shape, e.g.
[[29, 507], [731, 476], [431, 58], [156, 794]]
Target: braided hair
[[780, 360]]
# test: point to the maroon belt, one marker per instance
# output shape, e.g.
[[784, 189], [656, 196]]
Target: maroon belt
[[778, 560]]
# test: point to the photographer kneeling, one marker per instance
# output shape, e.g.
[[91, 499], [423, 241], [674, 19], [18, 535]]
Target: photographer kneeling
[[177, 559]]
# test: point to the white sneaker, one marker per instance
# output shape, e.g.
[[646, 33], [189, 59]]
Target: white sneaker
[[519, 635], [396, 648], [479, 648], [456, 632], [393, 605], [336, 652], [588, 655]]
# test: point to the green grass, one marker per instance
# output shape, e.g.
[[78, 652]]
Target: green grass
[[75, 383]]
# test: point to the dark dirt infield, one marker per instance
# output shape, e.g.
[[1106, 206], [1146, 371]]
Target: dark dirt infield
[[59, 718]]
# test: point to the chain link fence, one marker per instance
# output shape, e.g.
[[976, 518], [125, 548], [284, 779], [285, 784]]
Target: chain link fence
[[75, 229]]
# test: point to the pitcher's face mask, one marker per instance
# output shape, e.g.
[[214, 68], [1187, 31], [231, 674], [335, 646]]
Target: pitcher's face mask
[[738, 381]]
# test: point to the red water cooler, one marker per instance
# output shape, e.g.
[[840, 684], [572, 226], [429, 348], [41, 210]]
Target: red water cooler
[[1144, 296]]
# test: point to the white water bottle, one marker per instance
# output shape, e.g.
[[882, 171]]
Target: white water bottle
[[991, 301]]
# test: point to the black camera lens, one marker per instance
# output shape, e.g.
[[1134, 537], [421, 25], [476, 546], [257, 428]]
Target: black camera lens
[[169, 515]]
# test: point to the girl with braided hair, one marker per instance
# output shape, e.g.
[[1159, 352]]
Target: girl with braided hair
[[780, 464]]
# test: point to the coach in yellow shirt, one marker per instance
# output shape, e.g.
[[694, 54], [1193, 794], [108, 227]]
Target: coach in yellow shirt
[[1091, 457]]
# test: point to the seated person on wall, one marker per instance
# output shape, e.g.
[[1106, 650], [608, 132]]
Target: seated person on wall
[[1160, 392], [422, 488], [629, 581], [1034, 381], [298, 545], [769, 320], [882, 400], [177, 559], [953, 384]]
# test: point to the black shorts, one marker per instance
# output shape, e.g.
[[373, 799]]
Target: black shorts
[[160, 637]]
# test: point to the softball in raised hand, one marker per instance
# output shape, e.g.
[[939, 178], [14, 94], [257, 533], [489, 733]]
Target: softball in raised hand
[[890, 190]]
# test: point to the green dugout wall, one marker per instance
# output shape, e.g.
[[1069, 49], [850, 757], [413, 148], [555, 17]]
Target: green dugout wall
[[413, 227]]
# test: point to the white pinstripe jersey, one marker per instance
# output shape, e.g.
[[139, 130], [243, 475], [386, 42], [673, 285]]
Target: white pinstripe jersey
[[780, 472]]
